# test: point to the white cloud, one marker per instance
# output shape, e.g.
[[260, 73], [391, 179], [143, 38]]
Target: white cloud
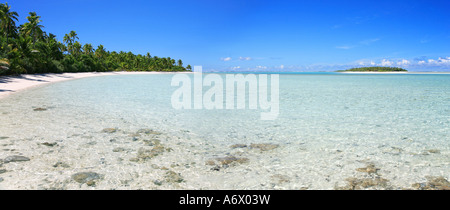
[[226, 59], [365, 62], [433, 62], [403, 62], [235, 68], [440, 61], [280, 67], [261, 67], [245, 58], [444, 60], [386, 62], [344, 47]]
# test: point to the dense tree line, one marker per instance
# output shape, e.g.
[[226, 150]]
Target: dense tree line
[[29, 49], [377, 69]]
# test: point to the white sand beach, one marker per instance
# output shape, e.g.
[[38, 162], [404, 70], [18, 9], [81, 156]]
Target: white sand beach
[[13, 84]]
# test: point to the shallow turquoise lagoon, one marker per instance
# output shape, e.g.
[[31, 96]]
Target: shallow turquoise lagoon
[[330, 128]]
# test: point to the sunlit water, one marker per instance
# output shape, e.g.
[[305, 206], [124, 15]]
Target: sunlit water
[[329, 127]]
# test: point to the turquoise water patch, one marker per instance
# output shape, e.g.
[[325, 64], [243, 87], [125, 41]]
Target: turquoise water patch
[[329, 127]]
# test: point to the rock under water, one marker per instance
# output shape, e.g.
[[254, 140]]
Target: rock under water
[[88, 178], [15, 158], [109, 130]]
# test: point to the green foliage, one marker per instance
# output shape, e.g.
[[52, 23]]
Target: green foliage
[[32, 27], [4, 65], [29, 49], [8, 20], [376, 69]]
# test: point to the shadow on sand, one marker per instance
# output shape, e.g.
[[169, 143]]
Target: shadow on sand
[[36, 77]]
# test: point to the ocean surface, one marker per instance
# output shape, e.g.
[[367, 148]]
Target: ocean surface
[[333, 131]]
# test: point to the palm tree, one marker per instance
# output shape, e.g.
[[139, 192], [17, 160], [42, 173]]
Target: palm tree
[[32, 27], [76, 48], [7, 20], [180, 63], [56, 48], [70, 39], [67, 39], [171, 63], [87, 49], [23, 49], [100, 51]]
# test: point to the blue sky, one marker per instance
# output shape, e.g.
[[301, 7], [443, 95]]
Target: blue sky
[[259, 35]]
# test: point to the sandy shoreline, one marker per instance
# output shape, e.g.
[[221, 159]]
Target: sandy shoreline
[[14, 84]]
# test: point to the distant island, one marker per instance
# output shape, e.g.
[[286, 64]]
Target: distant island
[[374, 69]]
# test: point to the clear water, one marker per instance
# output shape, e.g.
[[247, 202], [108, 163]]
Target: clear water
[[329, 126]]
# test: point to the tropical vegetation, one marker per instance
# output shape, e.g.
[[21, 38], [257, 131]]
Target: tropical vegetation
[[29, 49], [375, 69]]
